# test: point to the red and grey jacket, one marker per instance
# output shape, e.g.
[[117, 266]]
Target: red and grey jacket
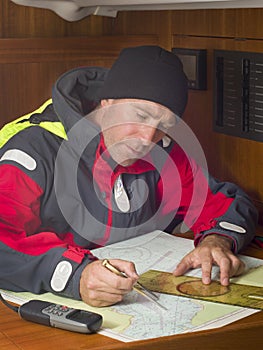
[[61, 194]]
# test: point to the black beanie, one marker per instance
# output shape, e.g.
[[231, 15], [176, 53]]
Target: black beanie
[[148, 73]]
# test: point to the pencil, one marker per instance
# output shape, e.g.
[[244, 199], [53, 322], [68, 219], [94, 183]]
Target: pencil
[[138, 287]]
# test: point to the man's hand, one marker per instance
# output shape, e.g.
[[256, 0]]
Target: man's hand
[[101, 287], [213, 249]]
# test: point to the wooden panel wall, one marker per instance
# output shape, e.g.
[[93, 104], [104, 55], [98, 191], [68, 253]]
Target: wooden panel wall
[[25, 83], [229, 158], [26, 22], [29, 67]]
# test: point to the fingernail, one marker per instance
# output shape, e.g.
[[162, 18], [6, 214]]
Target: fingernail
[[206, 280], [225, 281]]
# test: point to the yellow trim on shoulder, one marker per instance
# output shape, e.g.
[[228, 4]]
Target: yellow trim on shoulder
[[14, 127], [56, 128]]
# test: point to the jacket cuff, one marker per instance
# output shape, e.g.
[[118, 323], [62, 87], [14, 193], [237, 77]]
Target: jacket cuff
[[72, 288], [67, 273]]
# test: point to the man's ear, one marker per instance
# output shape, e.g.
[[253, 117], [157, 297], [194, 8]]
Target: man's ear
[[106, 102]]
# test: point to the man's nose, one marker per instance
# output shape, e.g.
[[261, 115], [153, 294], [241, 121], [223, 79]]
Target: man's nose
[[148, 135]]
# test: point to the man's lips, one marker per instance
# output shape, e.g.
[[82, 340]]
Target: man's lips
[[136, 152], [133, 151]]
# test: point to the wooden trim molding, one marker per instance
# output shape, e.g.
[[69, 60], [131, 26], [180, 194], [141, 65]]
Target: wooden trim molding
[[68, 48]]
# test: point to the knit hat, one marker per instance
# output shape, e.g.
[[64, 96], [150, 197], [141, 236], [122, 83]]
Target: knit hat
[[148, 73]]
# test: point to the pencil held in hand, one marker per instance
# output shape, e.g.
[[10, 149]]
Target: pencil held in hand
[[138, 287]]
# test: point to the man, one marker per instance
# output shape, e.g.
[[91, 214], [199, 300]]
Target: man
[[99, 164]]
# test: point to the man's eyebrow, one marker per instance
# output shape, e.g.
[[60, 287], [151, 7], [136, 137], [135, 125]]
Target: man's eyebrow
[[151, 113], [156, 115], [144, 111]]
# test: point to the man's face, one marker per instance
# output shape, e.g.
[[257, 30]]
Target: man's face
[[132, 127]]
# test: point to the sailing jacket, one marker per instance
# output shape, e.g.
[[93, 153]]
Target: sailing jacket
[[61, 194]]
